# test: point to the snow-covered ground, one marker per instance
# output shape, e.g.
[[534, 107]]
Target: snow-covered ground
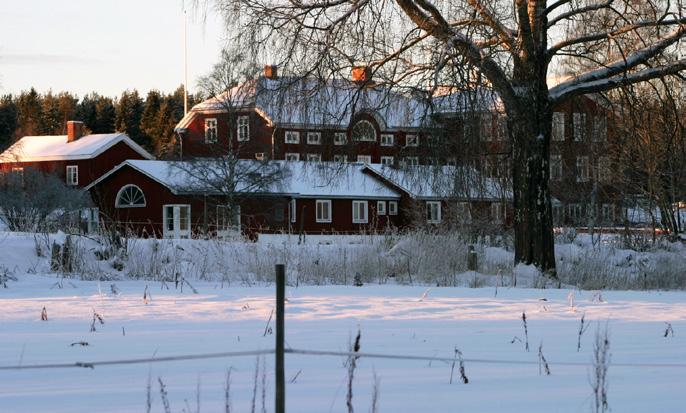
[[646, 372]]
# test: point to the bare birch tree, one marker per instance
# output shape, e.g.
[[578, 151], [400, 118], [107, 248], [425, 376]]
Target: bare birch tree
[[511, 46]]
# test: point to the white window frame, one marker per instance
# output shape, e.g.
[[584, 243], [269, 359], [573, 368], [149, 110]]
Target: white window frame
[[340, 158], [291, 136], [210, 130], [91, 216], [366, 123], [72, 175], [392, 207], [314, 157], [580, 126], [604, 170], [364, 158], [608, 213], [314, 138], [387, 160], [243, 128], [340, 138], [323, 219], [227, 227], [387, 139], [583, 165], [555, 167], [293, 211], [574, 212], [121, 191], [360, 206], [599, 128], [380, 208], [176, 232], [433, 212], [558, 130], [291, 156], [412, 140], [412, 161]]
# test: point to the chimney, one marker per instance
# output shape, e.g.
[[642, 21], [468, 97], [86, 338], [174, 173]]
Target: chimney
[[270, 72], [74, 130], [361, 74]]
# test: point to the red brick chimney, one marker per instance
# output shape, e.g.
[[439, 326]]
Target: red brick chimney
[[74, 130], [270, 72], [361, 74]]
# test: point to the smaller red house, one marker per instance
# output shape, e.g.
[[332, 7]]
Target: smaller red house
[[76, 158]]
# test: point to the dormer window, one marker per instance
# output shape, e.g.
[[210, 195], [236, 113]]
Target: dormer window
[[364, 131]]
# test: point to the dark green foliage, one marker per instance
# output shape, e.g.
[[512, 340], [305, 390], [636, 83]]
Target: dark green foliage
[[128, 118], [8, 121]]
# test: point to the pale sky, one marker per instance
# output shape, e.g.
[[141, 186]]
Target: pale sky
[[105, 46]]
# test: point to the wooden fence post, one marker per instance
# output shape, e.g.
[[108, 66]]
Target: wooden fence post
[[279, 369]]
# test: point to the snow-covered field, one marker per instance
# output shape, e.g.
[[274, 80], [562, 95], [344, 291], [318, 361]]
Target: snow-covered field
[[646, 374]]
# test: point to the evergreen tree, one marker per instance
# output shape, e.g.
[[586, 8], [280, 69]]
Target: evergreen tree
[[128, 116], [67, 107], [8, 121], [165, 139], [86, 111], [149, 118], [50, 121], [29, 110], [106, 115]]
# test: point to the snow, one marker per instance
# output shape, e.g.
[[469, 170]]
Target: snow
[[393, 319], [296, 178], [47, 148]]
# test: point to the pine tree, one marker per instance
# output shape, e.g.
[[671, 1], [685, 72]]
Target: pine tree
[[149, 118], [86, 110], [106, 115], [128, 117], [8, 121], [49, 121], [29, 110]]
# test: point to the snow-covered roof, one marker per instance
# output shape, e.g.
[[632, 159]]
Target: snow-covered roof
[[298, 179], [53, 148], [443, 182], [296, 101]]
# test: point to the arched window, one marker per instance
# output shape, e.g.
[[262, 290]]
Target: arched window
[[130, 196], [364, 131]]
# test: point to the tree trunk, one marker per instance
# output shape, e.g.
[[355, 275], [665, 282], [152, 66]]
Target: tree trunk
[[530, 126]]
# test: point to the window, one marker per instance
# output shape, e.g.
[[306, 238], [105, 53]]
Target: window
[[411, 161], [555, 167], [604, 171], [243, 128], [411, 140], [177, 221], [608, 213], [579, 126], [360, 212], [292, 136], [210, 130], [433, 212], [497, 212], [227, 222], [323, 210], [582, 169], [380, 207], [574, 212], [290, 156], [340, 138], [392, 207], [364, 158], [292, 211], [387, 139], [314, 138], [387, 160], [72, 174], [501, 131], [599, 133], [558, 133], [340, 158], [364, 131], [130, 196], [486, 127], [314, 157], [90, 218]]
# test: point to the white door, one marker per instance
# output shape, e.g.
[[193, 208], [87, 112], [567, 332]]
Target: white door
[[177, 221]]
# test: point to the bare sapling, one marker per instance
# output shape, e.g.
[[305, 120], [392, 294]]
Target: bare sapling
[[44, 314], [458, 358], [542, 362], [164, 396], [582, 329], [526, 332], [601, 364], [97, 318], [352, 364], [669, 330]]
